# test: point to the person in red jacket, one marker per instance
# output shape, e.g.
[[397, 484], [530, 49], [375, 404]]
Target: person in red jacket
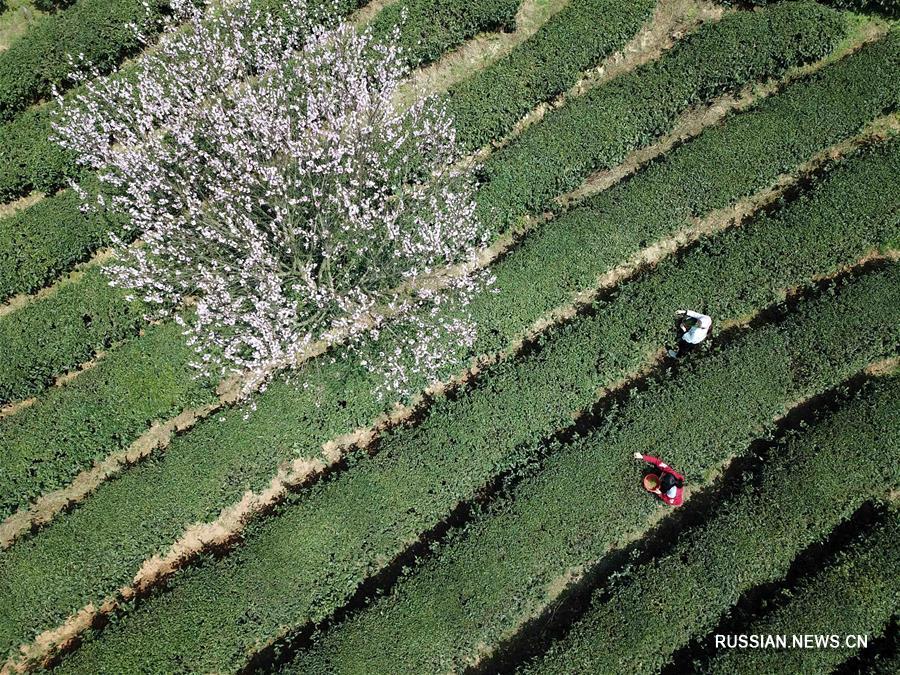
[[671, 483]]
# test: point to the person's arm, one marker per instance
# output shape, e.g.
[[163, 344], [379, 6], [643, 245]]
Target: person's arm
[[659, 464], [705, 320], [652, 460]]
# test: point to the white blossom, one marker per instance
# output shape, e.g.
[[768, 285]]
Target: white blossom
[[277, 188]]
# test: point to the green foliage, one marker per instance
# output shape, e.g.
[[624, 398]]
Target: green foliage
[[725, 163], [428, 29], [98, 29], [750, 539], [503, 567], [40, 242], [487, 105], [348, 525], [29, 160], [853, 595], [45, 445], [889, 8], [213, 465], [598, 130], [886, 661], [56, 333]]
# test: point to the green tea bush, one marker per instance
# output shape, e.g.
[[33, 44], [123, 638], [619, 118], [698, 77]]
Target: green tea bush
[[56, 333], [100, 412], [352, 524], [51, 5], [750, 539], [888, 8], [856, 594], [428, 29], [887, 660], [599, 129], [29, 160], [39, 243], [214, 464], [487, 105], [481, 586]]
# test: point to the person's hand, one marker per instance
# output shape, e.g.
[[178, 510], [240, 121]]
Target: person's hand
[[638, 455], [681, 312]]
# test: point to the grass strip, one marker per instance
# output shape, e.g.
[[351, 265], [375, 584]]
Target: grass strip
[[751, 539], [597, 130], [487, 105], [299, 566], [29, 160], [218, 461], [100, 30], [856, 594], [783, 131]]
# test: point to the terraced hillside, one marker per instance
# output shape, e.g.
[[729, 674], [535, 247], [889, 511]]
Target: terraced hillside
[[634, 158]]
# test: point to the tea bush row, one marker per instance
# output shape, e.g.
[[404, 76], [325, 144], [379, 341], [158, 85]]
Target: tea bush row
[[213, 464], [599, 129], [350, 525], [750, 539]]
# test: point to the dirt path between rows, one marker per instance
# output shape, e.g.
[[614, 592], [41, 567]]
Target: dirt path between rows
[[369, 11], [9, 208], [228, 527]]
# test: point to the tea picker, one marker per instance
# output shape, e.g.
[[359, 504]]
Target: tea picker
[[692, 329], [667, 484]]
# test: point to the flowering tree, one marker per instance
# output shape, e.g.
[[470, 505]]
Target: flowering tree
[[275, 185]]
